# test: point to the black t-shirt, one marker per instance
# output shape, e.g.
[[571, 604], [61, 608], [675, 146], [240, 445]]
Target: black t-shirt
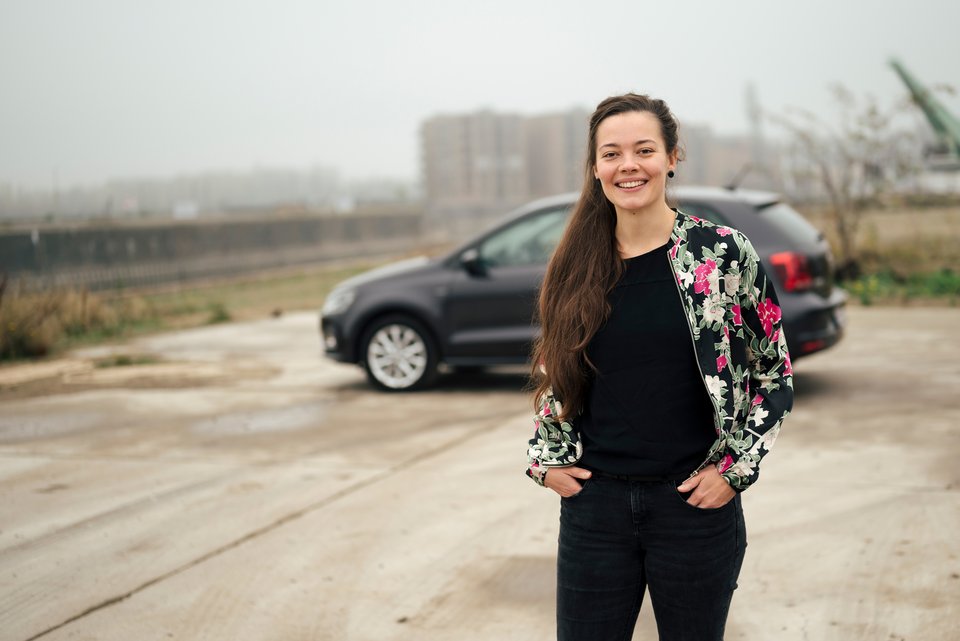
[[647, 412]]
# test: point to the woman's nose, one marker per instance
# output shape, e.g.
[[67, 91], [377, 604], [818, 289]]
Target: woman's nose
[[628, 162]]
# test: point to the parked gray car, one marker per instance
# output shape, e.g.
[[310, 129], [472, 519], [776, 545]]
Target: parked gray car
[[474, 307]]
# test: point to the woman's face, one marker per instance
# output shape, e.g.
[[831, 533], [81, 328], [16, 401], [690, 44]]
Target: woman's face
[[631, 161]]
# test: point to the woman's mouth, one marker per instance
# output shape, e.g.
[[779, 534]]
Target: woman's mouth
[[631, 184]]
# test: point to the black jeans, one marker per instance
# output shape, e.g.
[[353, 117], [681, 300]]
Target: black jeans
[[619, 537]]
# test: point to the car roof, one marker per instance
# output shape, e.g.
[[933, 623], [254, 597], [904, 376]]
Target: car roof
[[758, 199], [751, 196]]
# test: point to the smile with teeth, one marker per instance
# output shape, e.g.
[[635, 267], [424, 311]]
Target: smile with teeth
[[631, 184]]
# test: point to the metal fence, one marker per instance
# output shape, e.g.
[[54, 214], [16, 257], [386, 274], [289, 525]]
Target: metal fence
[[113, 257]]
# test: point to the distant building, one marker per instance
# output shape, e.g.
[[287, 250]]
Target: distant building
[[555, 154], [475, 162], [719, 160], [482, 164], [210, 192]]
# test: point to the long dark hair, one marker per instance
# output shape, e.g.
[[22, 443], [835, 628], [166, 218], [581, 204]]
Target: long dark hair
[[584, 268]]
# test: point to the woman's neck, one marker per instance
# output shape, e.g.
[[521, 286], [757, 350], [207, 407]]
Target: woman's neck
[[638, 232]]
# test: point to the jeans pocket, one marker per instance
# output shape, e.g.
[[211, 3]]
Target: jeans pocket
[[584, 484], [683, 496]]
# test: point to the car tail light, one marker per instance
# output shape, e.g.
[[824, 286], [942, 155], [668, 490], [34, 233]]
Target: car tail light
[[812, 346], [793, 270]]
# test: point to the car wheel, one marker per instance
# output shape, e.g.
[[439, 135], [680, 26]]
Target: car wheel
[[399, 354]]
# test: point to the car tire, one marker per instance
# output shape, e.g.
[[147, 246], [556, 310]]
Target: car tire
[[399, 354]]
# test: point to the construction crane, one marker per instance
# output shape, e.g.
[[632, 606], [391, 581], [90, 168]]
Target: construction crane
[[945, 154]]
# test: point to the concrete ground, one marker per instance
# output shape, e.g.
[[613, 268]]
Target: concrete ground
[[246, 489]]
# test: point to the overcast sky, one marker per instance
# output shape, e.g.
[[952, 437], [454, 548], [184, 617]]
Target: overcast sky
[[93, 89]]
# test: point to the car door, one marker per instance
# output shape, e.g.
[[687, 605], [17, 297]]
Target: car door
[[489, 308]]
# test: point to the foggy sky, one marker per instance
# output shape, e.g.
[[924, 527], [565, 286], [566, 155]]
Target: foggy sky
[[94, 89]]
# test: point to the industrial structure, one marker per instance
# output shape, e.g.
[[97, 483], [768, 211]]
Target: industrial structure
[[944, 155]]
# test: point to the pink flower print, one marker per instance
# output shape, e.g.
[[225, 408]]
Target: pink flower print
[[546, 410], [675, 249], [701, 284], [726, 333], [725, 464], [757, 400], [721, 362], [775, 337], [724, 231], [737, 318], [695, 219], [788, 368], [769, 314]]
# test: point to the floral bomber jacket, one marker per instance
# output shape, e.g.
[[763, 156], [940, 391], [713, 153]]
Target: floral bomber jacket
[[734, 320]]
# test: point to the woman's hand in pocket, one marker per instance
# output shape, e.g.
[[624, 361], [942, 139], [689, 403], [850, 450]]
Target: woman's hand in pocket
[[563, 480], [708, 489]]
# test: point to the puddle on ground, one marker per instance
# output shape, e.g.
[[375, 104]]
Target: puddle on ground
[[19, 428], [277, 419]]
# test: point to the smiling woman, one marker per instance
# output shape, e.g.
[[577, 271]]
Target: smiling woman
[[634, 161], [662, 378]]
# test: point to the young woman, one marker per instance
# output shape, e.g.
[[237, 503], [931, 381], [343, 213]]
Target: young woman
[[662, 379]]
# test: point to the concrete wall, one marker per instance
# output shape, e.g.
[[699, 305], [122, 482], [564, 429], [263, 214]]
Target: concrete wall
[[136, 255]]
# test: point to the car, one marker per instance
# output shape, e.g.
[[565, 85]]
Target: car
[[474, 307]]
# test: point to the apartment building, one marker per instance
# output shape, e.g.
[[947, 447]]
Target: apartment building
[[482, 164]]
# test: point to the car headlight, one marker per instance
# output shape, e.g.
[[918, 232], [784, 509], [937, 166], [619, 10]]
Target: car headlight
[[338, 301]]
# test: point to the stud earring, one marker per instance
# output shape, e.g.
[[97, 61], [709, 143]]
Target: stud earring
[[670, 174]]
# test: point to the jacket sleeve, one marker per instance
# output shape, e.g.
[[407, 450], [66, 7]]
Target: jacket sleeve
[[769, 370], [555, 443]]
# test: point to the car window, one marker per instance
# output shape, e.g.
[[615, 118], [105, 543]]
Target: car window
[[787, 219], [529, 241]]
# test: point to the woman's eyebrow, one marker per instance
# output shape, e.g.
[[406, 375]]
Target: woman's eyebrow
[[639, 142]]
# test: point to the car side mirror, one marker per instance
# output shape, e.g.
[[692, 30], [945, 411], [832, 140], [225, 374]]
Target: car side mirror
[[472, 263]]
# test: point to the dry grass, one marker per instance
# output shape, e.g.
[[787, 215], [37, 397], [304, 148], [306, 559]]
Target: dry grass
[[903, 240], [908, 255], [35, 325]]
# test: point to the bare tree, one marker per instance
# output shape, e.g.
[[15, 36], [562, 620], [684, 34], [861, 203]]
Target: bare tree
[[853, 163]]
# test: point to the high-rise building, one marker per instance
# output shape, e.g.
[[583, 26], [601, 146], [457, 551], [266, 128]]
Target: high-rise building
[[556, 146], [483, 164], [474, 162]]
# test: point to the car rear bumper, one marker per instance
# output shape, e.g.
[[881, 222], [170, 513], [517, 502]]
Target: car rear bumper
[[814, 328]]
